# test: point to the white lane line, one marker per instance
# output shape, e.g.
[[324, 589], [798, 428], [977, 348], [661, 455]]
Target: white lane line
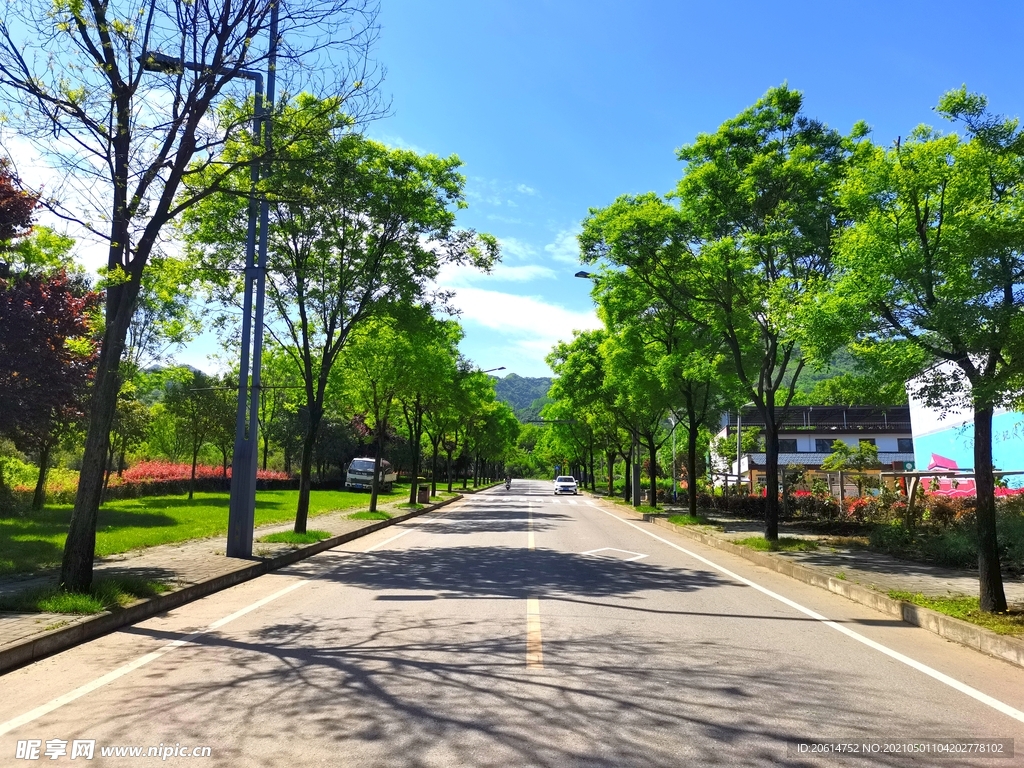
[[131, 666], [597, 553], [974, 693]]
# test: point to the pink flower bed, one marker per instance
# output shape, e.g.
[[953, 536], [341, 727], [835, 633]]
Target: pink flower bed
[[155, 471]]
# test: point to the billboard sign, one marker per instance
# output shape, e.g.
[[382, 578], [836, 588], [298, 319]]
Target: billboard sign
[[944, 439]]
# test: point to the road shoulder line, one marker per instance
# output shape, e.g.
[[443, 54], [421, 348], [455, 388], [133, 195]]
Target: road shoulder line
[[974, 693], [1003, 647], [36, 647]]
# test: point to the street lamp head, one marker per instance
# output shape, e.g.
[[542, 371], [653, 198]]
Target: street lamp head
[[154, 61], [585, 275], [502, 368]]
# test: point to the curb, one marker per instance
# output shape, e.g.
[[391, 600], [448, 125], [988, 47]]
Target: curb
[[39, 647], [988, 642]]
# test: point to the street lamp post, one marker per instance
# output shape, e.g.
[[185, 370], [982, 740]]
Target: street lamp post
[[739, 441], [674, 421], [242, 505], [635, 475]]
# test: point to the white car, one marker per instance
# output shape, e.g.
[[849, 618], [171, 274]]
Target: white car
[[566, 484]]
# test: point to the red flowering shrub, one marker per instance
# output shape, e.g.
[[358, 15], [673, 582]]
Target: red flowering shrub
[[156, 478], [859, 508], [149, 471]]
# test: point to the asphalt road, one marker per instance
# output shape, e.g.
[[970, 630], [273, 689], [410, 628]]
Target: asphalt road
[[516, 629]]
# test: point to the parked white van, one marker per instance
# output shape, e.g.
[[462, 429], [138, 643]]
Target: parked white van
[[360, 475]]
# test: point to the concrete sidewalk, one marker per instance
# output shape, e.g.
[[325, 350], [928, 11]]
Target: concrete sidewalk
[[192, 569]]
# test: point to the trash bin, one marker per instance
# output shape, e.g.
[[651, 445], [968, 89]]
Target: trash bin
[[423, 494]]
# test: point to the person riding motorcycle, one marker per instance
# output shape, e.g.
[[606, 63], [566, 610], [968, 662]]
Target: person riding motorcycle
[[508, 482]]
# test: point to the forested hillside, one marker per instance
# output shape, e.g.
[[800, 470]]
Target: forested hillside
[[522, 393]]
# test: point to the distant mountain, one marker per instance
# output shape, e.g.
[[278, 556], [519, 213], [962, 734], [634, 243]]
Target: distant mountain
[[522, 394]]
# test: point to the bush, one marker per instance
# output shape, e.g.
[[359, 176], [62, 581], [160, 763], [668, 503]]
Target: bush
[[944, 511], [893, 538], [741, 506]]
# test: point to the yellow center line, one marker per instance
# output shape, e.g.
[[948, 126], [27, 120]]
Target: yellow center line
[[534, 651]]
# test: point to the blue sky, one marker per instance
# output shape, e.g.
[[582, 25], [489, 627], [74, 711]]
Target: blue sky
[[559, 106], [556, 107]]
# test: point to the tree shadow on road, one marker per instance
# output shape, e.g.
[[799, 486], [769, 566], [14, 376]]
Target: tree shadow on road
[[507, 571]]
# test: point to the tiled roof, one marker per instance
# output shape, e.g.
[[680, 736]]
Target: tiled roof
[[885, 458]]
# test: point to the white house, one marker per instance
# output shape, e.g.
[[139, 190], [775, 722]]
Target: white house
[[806, 436]]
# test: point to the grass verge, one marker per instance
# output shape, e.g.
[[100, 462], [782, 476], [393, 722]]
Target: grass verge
[[966, 608], [291, 537], [105, 594], [378, 515], [784, 544], [37, 540], [689, 520]]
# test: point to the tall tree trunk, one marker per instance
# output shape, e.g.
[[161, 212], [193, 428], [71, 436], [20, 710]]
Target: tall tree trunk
[[771, 498], [415, 425], [80, 545], [108, 468], [433, 469], [610, 459], [192, 478], [378, 453], [991, 598], [628, 474], [448, 469], [39, 497], [652, 451], [691, 468], [306, 470], [266, 449]]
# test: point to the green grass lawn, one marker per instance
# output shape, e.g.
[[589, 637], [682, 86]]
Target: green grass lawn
[[291, 537], [105, 593], [689, 520], [367, 515], [784, 544], [37, 539], [966, 608]]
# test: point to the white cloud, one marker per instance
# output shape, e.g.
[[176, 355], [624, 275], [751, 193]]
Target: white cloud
[[516, 248], [503, 219], [523, 189], [465, 277], [529, 321], [397, 142], [565, 247], [31, 165]]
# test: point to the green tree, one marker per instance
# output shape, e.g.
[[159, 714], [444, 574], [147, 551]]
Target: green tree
[[749, 243], [846, 458], [279, 396], [373, 366], [127, 137], [583, 385], [936, 257], [193, 401], [131, 425], [431, 365], [357, 228]]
